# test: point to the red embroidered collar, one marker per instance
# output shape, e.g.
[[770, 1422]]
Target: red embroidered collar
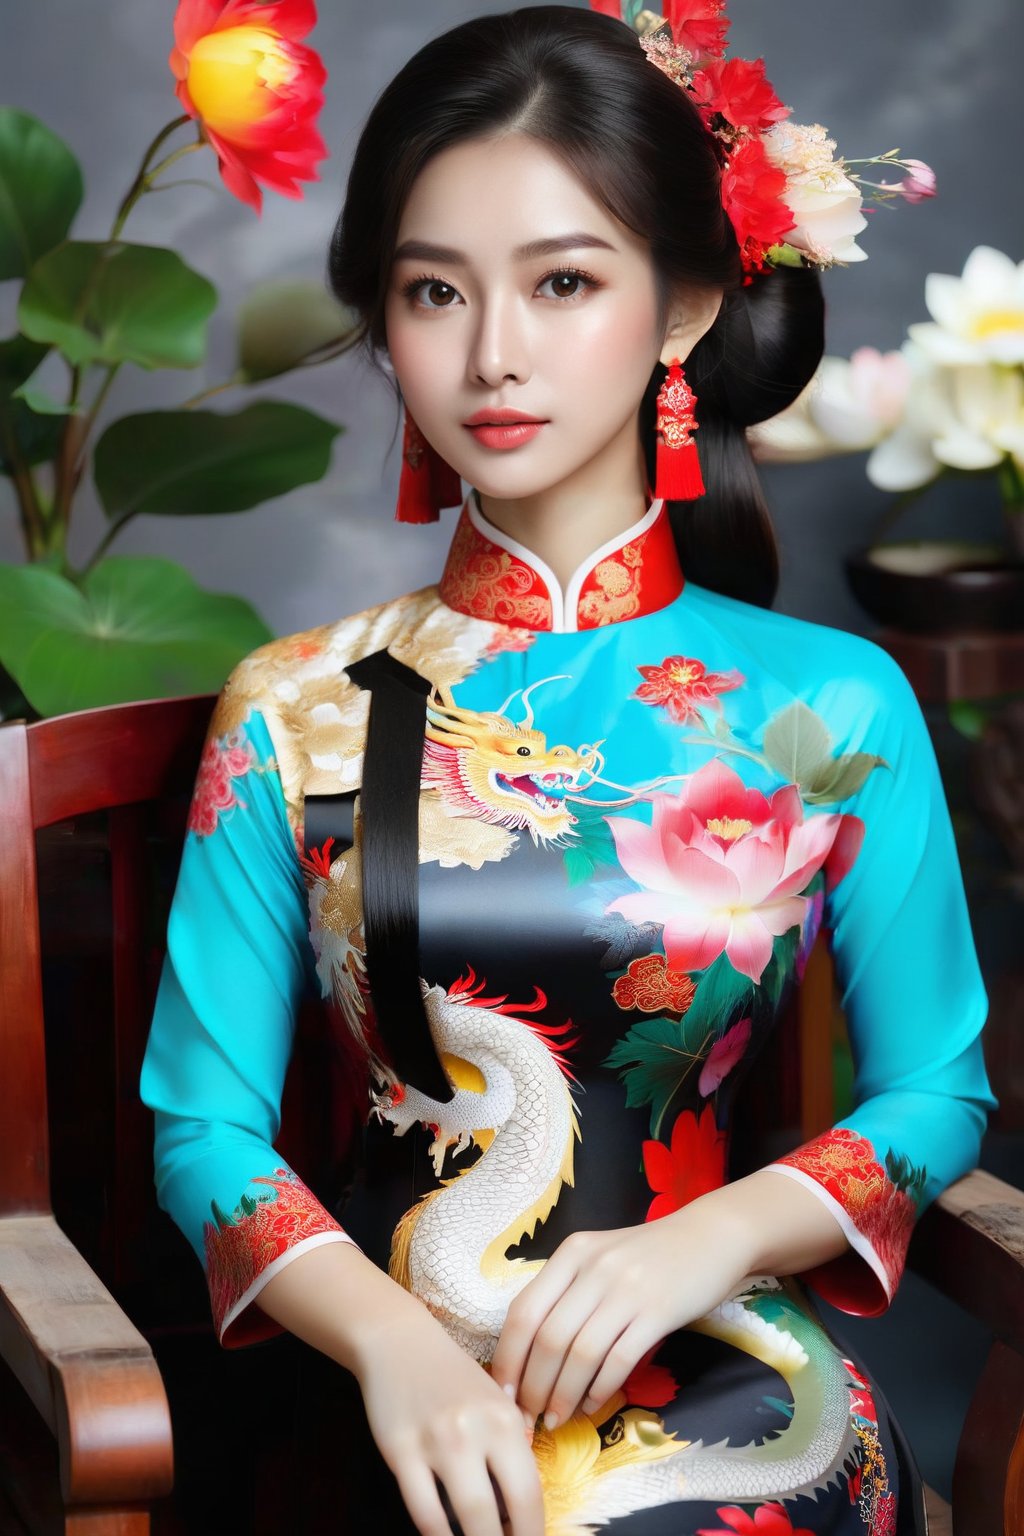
[[490, 575]]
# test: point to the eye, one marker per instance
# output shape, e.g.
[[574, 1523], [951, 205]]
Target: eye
[[522, 752], [571, 275], [435, 286]]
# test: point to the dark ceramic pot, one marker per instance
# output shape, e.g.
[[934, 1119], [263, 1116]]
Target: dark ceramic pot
[[939, 588]]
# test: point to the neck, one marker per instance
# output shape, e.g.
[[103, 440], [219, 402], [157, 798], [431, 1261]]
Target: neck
[[565, 524]]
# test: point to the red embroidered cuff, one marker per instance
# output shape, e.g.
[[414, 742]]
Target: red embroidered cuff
[[244, 1250], [875, 1205]]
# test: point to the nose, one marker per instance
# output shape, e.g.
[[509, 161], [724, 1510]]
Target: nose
[[498, 347]]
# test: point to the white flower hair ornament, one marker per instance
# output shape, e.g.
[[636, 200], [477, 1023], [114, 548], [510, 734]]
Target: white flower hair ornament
[[790, 199]]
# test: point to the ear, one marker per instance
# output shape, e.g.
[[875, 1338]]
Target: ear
[[691, 316]]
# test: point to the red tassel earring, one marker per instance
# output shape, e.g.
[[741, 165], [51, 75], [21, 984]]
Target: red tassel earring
[[678, 476], [427, 482]]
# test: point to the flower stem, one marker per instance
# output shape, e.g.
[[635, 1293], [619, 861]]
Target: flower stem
[[105, 543], [30, 512], [140, 184], [215, 389], [896, 508], [66, 472]]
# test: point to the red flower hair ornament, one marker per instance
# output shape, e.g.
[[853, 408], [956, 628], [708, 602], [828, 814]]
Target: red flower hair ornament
[[790, 199]]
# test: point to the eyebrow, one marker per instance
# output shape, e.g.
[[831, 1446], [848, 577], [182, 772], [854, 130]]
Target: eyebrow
[[423, 250]]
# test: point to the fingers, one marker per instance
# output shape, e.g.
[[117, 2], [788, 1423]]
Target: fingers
[[626, 1353], [515, 1473], [419, 1491], [529, 1310], [472, 1495], [600, 1342], [556, 1350]]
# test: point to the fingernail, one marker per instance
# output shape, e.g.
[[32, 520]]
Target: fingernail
[[550, 1419], [509, 1388]]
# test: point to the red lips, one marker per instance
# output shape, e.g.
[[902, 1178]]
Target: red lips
[[498, 417]]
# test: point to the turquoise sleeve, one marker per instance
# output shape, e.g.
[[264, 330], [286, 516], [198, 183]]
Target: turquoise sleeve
[[913, 996], [237, 965]]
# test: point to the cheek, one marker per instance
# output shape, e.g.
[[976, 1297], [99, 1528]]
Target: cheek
[[613, 351]]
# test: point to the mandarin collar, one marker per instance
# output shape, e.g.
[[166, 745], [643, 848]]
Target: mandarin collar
[[490, 575]]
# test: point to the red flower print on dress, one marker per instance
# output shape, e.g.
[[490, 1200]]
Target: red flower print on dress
[[239, 1247], [722, 867], [767, 1520], [693, 1165], [223, 760], [737, 89], [723, 1056], [684, 686], [650, 1385], [650, 985], [844, 1163]]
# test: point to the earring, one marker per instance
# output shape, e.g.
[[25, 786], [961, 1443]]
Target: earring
[[678, 476], [427, 482]]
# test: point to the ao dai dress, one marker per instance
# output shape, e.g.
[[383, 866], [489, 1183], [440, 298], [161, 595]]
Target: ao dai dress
[[635, 804]]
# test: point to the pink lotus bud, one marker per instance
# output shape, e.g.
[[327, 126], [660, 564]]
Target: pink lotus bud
[[920, 184]]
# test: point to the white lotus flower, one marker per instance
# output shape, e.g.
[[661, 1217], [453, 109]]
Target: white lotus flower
[[965, 418], [823, 200], [847, 406], [978, 317]]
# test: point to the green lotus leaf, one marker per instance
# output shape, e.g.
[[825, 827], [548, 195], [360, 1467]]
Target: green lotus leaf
[[102, 302], [40, 191], [138, 627], [796, 742], [187, 462]]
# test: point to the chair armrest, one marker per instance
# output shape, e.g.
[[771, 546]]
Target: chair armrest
[[970, 1244], [85, 1365]]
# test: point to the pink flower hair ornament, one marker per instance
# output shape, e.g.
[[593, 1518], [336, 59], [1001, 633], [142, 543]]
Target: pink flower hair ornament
[[790, 199]]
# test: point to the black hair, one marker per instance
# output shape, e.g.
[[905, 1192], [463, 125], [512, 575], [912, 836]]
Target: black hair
[[580, 82]]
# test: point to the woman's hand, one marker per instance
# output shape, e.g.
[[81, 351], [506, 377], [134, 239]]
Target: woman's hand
[[603, 1299], [435, 1413]]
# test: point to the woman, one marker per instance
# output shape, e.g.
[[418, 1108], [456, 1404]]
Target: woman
[[556, 835]]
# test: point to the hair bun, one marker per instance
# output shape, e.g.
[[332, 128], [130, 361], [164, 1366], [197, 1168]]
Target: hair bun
[[764, 347]]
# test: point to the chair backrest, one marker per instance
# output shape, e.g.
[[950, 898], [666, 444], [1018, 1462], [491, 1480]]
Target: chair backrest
[[92, 805]]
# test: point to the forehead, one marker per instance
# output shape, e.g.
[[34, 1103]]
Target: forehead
[[486, 197]]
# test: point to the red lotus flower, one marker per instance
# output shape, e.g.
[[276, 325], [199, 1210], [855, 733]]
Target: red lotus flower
[[767, 1520], [752, 193], [738, 90], [693, 1165], [684, 685], [255, 89]]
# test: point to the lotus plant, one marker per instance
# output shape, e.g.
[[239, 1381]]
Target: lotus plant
[[126, 627]]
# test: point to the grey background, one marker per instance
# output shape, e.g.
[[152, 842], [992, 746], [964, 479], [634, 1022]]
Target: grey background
[[928, 76], [932, 77]]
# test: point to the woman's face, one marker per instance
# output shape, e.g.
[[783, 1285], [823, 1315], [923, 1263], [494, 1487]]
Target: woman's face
[[567, 333]]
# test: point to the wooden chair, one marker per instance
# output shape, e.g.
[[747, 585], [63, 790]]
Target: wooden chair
[[99, 1294]]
